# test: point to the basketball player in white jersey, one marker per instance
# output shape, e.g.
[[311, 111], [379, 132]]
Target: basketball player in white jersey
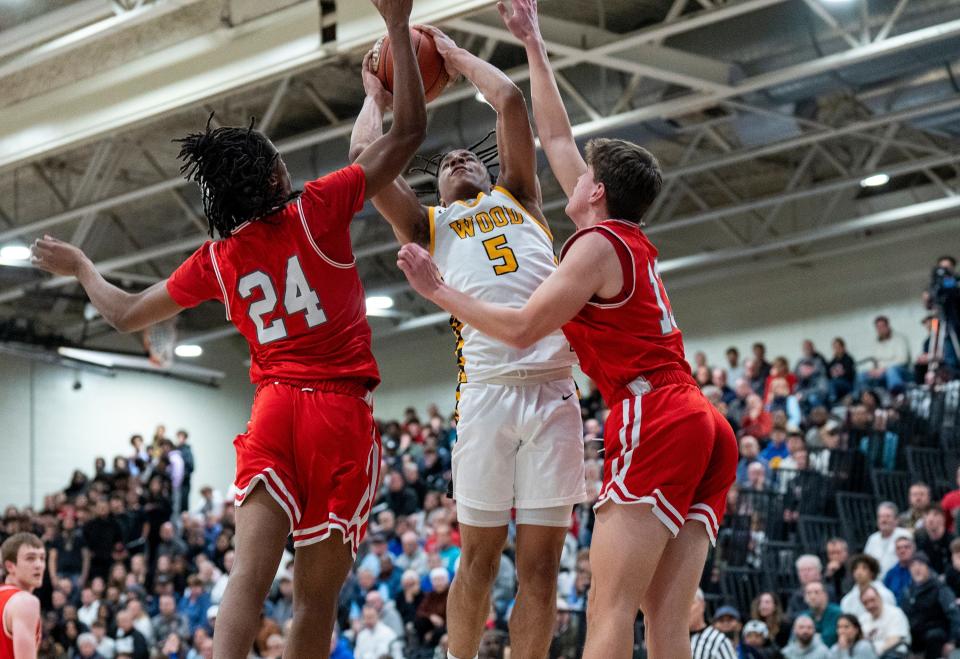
[[520, 436]]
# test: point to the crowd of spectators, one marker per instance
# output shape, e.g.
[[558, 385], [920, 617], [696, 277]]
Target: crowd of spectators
[[138, 566]]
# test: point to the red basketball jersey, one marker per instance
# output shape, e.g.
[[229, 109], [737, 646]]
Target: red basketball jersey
[[634, 334], [6, 639], [289, 283]]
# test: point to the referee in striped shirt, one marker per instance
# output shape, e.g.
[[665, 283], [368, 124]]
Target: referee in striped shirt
[[707, 642]]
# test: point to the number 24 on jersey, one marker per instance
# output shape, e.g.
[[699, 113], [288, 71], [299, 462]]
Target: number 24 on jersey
[[298, 297]]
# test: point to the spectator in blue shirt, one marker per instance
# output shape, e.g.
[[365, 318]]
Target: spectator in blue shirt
[[898, 578], [822, 611], [776, 450], [194, 603]]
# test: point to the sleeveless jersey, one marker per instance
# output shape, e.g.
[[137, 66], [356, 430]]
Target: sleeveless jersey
[[633, 335], [289, 283], [6, 639], [492, 249]]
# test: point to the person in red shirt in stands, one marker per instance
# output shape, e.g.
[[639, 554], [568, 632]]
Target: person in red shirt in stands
[[950, 504]]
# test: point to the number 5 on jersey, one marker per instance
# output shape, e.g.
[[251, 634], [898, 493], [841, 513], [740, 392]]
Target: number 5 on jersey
[[497, 250], [297, 297]]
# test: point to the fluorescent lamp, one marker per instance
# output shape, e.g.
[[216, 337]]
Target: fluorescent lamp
[[379, 303], [15, 253], [188, 350], [875, 181]]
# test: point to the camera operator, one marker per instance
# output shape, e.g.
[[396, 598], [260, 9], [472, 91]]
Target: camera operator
[[942, 298]]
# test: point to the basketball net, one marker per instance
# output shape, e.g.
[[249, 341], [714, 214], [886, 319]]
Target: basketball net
[[160, 341]]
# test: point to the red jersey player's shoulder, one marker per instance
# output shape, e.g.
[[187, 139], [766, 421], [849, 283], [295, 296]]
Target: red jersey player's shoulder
[[327, 206], [198, 279]]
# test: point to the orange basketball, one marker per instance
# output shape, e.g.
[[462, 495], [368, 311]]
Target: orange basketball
[[432, 70]]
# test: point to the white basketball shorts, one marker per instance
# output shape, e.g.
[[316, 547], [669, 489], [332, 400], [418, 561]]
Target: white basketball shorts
[[519, 446]]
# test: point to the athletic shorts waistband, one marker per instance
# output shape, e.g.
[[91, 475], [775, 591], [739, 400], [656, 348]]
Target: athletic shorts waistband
[[654, 380], [346, 387], [523, 376]]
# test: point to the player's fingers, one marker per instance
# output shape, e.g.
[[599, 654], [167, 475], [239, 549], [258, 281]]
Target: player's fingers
[[502, 8], [365, 66]]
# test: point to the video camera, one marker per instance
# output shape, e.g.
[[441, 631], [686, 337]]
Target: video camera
[[943, 285]]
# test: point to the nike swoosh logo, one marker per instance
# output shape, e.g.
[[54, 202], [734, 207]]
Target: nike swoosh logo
[[567, 396]]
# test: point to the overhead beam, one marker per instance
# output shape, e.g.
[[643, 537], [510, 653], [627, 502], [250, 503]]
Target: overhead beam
[[201, 68]]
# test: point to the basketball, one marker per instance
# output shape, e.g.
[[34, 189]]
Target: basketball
[[432, 69]]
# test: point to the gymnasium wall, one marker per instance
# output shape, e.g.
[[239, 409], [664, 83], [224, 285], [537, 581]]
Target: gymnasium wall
[[50, 429]]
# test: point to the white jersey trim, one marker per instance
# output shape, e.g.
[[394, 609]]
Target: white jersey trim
[[313, 243], [633, 272], [223, 288]]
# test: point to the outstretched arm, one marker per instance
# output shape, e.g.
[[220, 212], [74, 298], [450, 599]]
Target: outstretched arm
[[553, 124], [515, 143], [586, 269], [126, 312], [385, 158], [397, 202]]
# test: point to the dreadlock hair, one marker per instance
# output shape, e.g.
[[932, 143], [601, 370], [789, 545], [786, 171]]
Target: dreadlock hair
[[233, 167], [489, 156], [630, 175]]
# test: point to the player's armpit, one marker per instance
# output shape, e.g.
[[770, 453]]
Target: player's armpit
[[399, 204]]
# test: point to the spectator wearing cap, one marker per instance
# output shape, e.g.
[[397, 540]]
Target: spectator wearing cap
[[932, 611], [374, 637], [919, 503], [934, 539], [728, 622], [378, 549], [755, 642], [884, 625], [864, 570], [805, 644], [850, 642], [707, 642], [822, 611], [882, 543]]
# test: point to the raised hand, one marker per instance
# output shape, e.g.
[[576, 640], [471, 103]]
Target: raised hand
[[372, 85], [521, 19], [421, 271], [57, 257], [394, 10], [446, 47]]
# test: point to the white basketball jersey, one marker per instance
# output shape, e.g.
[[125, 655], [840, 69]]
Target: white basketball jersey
[[494, 250]]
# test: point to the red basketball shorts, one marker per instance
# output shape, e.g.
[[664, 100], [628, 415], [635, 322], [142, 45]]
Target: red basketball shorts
[[316, 451], [673, 450]]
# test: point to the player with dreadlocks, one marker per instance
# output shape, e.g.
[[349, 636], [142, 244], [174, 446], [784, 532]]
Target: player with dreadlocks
[[519, 437], [284, 269]]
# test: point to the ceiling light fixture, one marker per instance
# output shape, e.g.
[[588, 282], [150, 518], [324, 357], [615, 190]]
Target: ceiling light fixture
[[379, 303], [15, 253], [875, 181], [188, 350]]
